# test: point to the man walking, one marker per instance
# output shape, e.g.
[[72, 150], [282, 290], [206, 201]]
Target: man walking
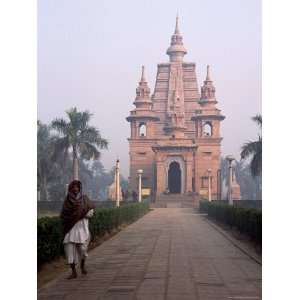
[[77, 208]]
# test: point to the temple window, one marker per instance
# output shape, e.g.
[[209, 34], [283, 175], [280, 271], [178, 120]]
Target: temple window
[[142, 130], [207, 129]]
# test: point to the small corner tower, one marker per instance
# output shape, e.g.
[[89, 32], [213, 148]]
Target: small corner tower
[[142, 122], [207, 126], [207, 118], [142, 117]]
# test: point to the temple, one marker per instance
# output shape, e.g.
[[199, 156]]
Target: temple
[[175, 133]]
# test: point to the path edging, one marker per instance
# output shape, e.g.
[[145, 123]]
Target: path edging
[[234, 241]]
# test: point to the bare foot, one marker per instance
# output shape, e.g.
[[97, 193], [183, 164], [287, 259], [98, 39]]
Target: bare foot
[[84, 271], [72, 276], [82, 267]]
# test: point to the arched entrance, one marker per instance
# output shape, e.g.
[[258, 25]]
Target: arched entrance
[[174, 178]]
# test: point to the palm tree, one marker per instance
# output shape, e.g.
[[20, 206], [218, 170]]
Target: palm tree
[[253, 150], [77, 135]]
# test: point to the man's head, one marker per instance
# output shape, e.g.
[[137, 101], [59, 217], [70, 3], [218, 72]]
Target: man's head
[[75, 187]]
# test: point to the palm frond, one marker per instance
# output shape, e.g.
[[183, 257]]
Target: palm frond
[[256, 164], [89, 134], [84, 119], [258, 120], [60, 125], [103, 143], [93, 136], [88, 151], [250, 148], [60, 145], [75, 120], [253, 150]]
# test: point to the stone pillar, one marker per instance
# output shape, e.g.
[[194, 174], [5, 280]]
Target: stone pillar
[[189, 173], [197, 172], [230, 184], [160, 177], [209, 184], [140, 172], [136, 129], [118, 183]]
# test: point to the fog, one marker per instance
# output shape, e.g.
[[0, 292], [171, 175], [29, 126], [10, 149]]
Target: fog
[[90, 55]]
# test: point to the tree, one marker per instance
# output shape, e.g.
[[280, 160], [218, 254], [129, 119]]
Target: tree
[[247, 182], [77, 135], [44, 152], [253, 151]]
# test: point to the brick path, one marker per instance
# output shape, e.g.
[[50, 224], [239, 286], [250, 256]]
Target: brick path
[[171, 253]]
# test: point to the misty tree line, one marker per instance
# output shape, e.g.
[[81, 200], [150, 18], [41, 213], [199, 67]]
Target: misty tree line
[[248, 170], [66, 146], [250, 185]]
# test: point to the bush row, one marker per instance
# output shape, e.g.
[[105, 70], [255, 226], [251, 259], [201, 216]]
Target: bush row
[[49, 229], [246, 220]]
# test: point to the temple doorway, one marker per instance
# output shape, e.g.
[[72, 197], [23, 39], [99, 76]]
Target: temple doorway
[[174, 178]]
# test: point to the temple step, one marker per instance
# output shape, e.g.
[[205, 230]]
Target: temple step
[[175, 200]]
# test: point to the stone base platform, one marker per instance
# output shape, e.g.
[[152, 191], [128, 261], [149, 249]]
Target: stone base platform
[[175, 200]]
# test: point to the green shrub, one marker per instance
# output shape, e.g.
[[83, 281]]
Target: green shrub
[[203, 206], [246, 220], [49, 229], [49, 239]]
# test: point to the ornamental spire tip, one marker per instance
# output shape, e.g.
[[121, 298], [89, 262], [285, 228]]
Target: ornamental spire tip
[[176, 26], [207, 73], [143, 74]]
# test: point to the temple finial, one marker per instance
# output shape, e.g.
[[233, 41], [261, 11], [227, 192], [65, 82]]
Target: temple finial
[[142, 99], [143, 74], [208, 90], [176, 26], [207, 73], [176, 51]]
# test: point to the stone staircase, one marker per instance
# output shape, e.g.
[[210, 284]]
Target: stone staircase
[[175, 200]]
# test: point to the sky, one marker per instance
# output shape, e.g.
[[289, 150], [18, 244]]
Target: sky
[[90, 54]]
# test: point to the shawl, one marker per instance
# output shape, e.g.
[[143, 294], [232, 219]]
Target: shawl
[[75, 207]]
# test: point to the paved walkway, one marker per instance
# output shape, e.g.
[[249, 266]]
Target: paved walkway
[[171, 253]]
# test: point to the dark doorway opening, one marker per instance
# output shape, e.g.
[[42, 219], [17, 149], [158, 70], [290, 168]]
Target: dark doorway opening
[[174, 178]]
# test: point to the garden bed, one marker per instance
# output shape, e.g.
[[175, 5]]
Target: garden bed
[[104, 222], [247, 221]]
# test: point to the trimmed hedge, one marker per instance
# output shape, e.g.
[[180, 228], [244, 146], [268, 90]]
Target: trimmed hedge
[[49, 229], [246, 220]]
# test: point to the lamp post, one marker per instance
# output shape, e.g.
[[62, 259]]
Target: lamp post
[[230, 159], [209, 184], [140, 172], [118, 183], [219, 185], [66, 189]]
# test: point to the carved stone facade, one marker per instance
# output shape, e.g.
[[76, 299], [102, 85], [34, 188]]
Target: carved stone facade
[[175, 134]]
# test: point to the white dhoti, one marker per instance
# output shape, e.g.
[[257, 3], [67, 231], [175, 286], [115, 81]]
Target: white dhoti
[[77, 240]]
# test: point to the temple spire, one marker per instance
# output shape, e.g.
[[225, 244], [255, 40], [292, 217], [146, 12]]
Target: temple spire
[[208, 90], [143, 74], [208, 73], [176, 51], [176, 26], [142, 99]]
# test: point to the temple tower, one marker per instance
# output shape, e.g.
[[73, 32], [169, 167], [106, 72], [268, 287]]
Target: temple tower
[[182, 139], [141, 120]]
